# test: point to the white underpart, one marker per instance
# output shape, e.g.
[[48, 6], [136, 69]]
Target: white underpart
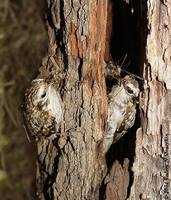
[[116, 111], [38, 98], [55, 105]]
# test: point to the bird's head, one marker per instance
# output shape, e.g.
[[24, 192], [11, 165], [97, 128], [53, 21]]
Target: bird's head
[[39, 92], [131, 86]]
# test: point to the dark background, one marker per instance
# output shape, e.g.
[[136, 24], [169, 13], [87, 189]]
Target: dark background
[[23, 43]]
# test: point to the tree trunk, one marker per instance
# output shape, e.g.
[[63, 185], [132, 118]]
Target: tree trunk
[[151, 168], [84, 34], [73, 166]]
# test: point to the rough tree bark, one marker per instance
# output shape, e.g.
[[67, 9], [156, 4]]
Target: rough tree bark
[[152, 171], [74, 166]]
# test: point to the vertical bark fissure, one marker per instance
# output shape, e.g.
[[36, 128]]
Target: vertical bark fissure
[[61, 42], [125, 38], [76, 172], [151, 166]]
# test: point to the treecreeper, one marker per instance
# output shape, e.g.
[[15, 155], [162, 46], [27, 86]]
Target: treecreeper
[[122, 101], [43, 108]]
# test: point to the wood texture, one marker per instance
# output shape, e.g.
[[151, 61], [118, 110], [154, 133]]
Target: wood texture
[[152, 163], [73, 166]]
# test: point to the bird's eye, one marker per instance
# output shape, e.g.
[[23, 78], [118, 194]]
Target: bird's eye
[[124, 82], [130, 91], [43, 95]]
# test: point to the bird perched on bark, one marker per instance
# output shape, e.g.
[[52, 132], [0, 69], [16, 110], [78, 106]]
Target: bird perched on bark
[[43, 110], [121, 109]]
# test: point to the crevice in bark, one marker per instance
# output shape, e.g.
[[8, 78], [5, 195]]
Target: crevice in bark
[[60, 40], [48, 16], [80, 69], [131, 154], [50, 179], [102, 190], [55, 168], [45, 188], [143, 32], [125, 36], [128, 37], [59, 32]]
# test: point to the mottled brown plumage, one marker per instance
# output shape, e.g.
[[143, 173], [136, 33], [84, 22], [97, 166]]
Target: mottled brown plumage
[[42, 108], [121, 109]]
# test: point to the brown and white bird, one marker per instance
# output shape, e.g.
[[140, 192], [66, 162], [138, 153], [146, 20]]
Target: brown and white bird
[[43, 111], [121, 109]]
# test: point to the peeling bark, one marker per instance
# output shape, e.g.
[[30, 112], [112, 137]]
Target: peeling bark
[[82, 35], [152, 164], [117, 181]]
